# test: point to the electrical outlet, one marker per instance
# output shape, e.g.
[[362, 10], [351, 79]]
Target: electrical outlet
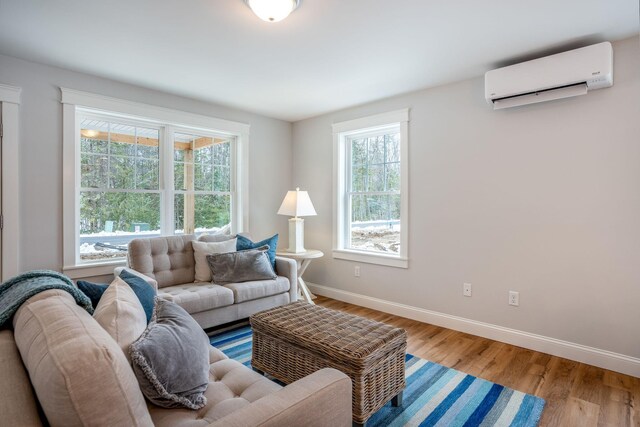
[[514, 298], [466, 289], [356, 271]]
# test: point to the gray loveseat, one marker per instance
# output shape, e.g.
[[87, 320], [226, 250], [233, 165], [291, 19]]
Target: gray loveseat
[[168, 264]]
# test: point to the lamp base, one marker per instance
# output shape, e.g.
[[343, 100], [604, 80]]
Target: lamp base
[[296, 235]]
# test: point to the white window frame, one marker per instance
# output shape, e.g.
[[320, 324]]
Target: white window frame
[[341, 132], [77, 102]]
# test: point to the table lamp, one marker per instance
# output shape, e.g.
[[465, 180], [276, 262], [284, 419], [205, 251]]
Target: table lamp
[[296, 203]]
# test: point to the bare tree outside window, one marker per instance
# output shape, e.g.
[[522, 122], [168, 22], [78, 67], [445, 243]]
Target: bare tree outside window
[[374, 191]]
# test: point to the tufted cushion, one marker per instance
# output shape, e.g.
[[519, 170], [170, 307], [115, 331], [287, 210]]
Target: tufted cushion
[[169, 260], [248, 291], [216, 355], [197, 297], [231, 387]]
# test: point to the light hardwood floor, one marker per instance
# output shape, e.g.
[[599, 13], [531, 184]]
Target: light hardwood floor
[[576, 394]]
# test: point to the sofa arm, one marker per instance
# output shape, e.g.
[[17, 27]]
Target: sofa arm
[[322, 399], [17, 402], [288, 268], [149, 280]]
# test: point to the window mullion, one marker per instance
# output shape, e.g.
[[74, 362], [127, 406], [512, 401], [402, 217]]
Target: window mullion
[[135, 157], [384, 163], [166, 181], [109, 156]]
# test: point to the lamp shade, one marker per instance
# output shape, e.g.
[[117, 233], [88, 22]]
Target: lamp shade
[[297, 203]]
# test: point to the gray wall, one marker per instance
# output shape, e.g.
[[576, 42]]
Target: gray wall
[[41, 154], [544, 200]]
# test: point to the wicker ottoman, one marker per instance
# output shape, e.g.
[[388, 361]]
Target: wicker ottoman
[[293, 341]]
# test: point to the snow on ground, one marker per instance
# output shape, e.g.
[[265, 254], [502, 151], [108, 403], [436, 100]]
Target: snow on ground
[[133, 234], [91, 251], [87, 248], [119, 233], [376, 236], [379, 238]]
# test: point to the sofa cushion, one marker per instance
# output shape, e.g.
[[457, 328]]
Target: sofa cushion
[[121, 314], [231, 386], [200, 252], [93, 290], [245, 243], [171, 358], [79, 373], [248, 291], [169, 260], [216, 355], [197, 297], [218, 237], [241, 266], [144, 291]]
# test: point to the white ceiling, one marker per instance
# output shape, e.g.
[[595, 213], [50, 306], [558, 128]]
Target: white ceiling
[[328, 55]]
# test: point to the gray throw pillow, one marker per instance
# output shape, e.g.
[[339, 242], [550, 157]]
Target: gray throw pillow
[[171, 358], [241, 266]]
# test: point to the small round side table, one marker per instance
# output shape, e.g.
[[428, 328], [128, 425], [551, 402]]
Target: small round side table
[[303, 259]]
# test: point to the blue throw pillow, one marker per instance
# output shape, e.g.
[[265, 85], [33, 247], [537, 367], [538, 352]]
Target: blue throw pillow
[[143, 291], [93, 290], [243, 243]]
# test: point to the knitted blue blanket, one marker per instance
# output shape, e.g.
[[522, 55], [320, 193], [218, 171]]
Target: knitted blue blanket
[[17, 290]]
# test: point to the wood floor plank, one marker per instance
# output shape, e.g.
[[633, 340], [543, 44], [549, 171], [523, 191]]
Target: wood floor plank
[[579, 412], [616, 410], [576, 394]]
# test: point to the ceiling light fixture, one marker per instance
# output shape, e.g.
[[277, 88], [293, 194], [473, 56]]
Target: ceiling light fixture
[[272, 10]]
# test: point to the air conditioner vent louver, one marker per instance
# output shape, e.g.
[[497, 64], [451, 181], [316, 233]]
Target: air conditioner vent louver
[[557, 76]]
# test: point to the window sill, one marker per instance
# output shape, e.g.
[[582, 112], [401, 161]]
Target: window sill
[[93, 269], [371, 258]]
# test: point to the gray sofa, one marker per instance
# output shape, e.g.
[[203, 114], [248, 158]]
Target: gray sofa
[[59, 359], [168, 264]]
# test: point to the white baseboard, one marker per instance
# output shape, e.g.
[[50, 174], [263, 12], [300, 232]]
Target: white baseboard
[[578, 352]]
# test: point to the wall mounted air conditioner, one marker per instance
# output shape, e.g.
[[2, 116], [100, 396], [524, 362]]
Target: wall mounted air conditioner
[[557, 76]]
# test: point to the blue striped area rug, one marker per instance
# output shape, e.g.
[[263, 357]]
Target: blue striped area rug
[[435, 395]]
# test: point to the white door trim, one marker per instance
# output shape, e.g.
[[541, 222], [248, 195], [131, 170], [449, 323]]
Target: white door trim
[[10, 94], [10, 99]]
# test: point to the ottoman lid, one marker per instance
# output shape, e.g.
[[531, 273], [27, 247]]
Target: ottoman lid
[[336, 334]]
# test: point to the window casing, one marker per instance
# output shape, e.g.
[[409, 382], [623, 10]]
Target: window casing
[[167, 172], [370, 179]]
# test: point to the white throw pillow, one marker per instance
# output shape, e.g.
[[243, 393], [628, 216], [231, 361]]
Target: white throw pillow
[[202, 249], [120, 313]]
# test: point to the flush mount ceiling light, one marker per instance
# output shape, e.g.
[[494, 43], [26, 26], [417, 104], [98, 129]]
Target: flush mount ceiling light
[[272, 10]]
